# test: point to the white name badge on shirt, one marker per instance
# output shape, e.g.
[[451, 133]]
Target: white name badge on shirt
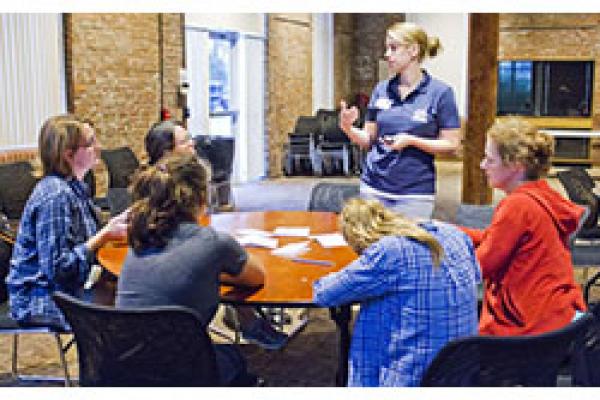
[[383, 103], [420, 115]]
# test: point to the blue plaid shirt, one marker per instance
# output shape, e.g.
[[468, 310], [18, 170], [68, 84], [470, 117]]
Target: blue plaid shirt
[[408, 308], [50, 252]]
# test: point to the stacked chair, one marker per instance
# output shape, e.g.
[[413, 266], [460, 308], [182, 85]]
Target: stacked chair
[[318, 145]]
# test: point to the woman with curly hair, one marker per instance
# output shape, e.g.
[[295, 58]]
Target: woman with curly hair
[[176, 261], [524, 253], [417, 288]]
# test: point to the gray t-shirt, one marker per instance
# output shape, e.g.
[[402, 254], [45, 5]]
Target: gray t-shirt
[[185, 272]]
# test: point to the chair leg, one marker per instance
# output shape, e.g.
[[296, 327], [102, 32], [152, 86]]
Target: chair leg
[[62, 350]]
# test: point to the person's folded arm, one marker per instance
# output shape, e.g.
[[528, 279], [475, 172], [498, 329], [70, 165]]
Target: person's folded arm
[[500, 241], [62, 255], [476, 235], [252, 274], [368, 276]]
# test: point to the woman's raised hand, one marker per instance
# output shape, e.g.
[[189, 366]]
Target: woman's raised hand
[[347, 116]]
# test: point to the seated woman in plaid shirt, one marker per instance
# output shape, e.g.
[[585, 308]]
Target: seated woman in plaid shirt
[[417, 289], [59, 233]]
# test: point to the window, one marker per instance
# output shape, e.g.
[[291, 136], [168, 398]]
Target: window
[[222, 111], [545, 88]]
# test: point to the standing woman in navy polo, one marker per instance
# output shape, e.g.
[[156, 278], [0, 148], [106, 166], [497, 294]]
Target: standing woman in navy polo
[[410, 118]]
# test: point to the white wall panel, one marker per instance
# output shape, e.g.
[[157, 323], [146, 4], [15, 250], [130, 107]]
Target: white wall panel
[[31, 76]]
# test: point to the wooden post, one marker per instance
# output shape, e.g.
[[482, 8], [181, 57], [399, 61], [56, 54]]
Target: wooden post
[[482, 89]]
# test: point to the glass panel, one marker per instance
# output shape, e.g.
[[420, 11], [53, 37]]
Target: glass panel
[[515, 87], [221, 125], [568, 89], [219, 86]]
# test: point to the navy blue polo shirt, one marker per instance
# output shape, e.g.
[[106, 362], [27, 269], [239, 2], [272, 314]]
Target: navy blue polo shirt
[[429, 108]]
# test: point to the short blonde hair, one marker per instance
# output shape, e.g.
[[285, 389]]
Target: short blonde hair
[[521, 141], [409, 33], [59, 134], [364, 222]]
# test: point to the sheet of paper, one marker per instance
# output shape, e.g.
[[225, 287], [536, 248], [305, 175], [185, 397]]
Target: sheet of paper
[[252, 232], [258, 241], [328, 240], [291, 250], [299, 231]]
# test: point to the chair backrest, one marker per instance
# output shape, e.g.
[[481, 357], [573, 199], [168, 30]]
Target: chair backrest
[[586, 357], [219, 152], [118, 200], [505, 360], [331, 197], [579, 191], [16, 184], [306, 126], [7, 240], [329, 127], [158, 346], [474, 216], [121, 164]]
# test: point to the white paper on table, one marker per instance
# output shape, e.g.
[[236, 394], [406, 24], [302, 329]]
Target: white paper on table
[[300, 231], [258, 241], [328, 240], [252, 232], [291, 250]]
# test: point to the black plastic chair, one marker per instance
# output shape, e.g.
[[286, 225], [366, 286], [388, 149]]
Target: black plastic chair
[[333, 144], [505, 360], [300, 149], [8, 326], [157, 346], [331, 197], [219, 151], [586, 353], [118, 199], [578, 185], [16, 184], [121, 164]]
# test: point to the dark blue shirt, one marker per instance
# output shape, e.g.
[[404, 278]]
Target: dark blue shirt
[[425, 111]]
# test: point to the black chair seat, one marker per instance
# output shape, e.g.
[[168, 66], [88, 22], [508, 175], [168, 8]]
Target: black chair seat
[[331, 197], [121, 164]]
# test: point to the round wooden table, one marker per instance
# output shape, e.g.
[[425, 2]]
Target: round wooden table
[[287, 283]]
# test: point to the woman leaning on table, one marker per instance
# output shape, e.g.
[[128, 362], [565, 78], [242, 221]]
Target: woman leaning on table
[[410, 118], [524, 253], [59, 231]]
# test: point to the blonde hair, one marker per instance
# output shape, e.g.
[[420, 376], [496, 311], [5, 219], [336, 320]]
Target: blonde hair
[[409, 33], [520, 141], [59, 134], [364, 222]]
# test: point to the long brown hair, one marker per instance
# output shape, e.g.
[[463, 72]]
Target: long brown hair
[[364, 222], [165, 195]]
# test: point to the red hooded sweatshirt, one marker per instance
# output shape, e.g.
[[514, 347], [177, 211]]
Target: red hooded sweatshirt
[[526, 263]]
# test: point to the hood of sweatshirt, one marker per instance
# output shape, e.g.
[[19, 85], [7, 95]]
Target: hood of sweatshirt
[[566, 214]]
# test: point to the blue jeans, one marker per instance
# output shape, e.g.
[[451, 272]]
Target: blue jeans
[[411, 207]]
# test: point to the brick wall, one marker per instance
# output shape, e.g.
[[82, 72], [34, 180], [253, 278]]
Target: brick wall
[[116, 66], [555, 36], [289, 80]]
